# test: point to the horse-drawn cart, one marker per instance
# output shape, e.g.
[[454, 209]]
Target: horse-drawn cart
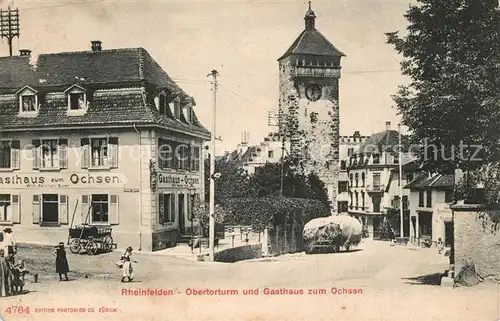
[[92, 239]]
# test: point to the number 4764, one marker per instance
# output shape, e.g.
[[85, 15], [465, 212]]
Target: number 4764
[[17, 309]]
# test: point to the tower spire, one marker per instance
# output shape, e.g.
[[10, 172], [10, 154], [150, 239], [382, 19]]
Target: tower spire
[[310, 18]]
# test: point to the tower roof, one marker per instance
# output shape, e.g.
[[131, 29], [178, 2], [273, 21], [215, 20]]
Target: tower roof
[[311, 41]]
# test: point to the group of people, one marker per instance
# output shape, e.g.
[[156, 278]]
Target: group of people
[[11, 272]]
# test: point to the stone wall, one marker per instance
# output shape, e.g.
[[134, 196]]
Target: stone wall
[[240, 253], [477, 238]]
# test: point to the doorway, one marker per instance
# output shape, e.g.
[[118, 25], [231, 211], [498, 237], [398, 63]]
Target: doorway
[[448, 233], [182, 214], [50, 208]]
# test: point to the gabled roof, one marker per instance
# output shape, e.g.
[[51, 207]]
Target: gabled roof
[[312, 42], [113, 79], [377, 142], [115, 66], [424, 181]]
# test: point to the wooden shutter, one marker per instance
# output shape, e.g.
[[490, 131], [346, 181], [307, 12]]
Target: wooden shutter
[[113, 210], [16, 208], [161, 209], [173, 212], [35, 150], [113, 152], [63, 153], [85, 150], [15, 149], [85, 208], [63, 209], [37, 208]]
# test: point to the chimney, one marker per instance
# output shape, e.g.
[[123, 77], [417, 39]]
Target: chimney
[[387, 125], [25, 52], [96, 45]]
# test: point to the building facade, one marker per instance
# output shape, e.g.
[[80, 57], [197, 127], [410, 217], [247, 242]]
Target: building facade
[[369, 171], [347, 146], [309, 74], [98, 137], [430, 213]]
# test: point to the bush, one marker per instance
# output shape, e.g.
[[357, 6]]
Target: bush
[[271, 212]]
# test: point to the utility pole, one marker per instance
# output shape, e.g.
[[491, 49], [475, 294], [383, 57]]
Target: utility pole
[[211, 218], [9, 25], [401, 211]]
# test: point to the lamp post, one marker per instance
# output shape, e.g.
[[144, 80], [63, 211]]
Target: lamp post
[[192, 193]]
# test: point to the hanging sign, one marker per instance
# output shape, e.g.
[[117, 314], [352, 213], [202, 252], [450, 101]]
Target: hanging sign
[[169, 180]]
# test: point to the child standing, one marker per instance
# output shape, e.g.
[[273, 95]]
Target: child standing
[[440, 245], [61, 261], [127, 270], [19, 270]]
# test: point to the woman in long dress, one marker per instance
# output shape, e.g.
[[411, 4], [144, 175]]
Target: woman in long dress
[[127, 270], [5, 276], [62, 266]]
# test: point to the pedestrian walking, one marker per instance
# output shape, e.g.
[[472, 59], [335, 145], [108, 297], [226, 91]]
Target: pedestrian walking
[[9, 244], [62, 266], [127, 269]]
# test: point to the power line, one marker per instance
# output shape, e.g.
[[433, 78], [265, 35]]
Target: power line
[[236, 94]]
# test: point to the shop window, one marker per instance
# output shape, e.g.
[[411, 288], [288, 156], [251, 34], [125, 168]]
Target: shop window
[[100, 209], [166, 208]]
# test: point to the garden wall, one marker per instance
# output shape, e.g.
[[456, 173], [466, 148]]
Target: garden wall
[[477, 238], [245, 252]]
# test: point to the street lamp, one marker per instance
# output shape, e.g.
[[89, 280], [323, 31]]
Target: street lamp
[[192, 193]]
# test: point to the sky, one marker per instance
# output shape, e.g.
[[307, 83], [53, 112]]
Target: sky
[[242, 41]]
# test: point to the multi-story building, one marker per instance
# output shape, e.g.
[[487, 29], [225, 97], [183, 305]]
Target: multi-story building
[[99, 137], [251, 157], [347, 146], [369, 172]]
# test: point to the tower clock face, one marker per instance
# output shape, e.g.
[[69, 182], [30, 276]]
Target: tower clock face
[[313, 92]]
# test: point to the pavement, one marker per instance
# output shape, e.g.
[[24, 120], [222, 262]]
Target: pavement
[[375, 282]]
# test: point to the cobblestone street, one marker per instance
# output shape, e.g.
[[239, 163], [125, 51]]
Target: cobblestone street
[[387, 283]]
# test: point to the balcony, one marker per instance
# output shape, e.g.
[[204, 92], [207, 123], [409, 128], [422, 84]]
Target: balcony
[[316, 72], [375, 188]]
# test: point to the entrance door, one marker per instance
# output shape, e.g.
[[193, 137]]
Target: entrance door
[[448, 233], [50, 208], [182, 214]]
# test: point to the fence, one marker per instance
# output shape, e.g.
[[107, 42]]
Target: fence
[[285, 239]]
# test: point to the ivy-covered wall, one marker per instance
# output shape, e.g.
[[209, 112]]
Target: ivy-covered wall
[[312, 127]]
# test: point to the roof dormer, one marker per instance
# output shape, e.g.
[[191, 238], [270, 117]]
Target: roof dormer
[[77, 100], [161, 102], [28, 101]]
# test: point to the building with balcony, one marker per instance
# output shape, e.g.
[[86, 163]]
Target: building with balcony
[[369, 171], [98, 137], [347, 146]]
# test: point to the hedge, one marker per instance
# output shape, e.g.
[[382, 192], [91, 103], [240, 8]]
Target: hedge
[[271, 212]]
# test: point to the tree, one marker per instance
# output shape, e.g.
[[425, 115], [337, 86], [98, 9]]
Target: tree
[[232, 183], [266, 182], [451, 53]]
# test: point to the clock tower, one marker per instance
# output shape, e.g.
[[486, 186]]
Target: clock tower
[[309, 73]]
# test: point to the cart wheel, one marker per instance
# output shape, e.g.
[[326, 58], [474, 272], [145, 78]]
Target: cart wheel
[[74, 246], [107, 243], [336, 248], [91, 248]]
